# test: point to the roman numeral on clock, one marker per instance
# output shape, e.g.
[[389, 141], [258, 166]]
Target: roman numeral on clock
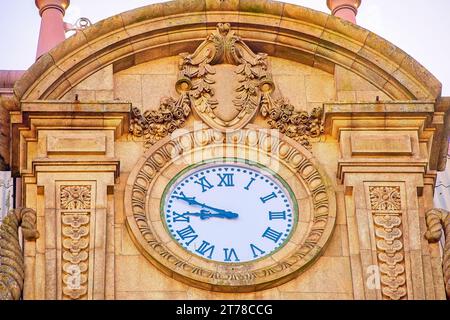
[[230, 252], [248, 185], [187, 233], [204, 184], [272, 234], [277, 215], [226, 180], [268, 197], [177, 217], [256, 249], [204, 248]]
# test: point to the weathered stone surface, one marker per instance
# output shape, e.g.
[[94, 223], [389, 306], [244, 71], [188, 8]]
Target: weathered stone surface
[[372, 140]]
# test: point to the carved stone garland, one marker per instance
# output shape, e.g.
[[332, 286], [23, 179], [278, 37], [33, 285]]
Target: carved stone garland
[[298, 125], [322, 221], [12, 269], [253, 92], [438, 220], [75, 204], [385, 204]]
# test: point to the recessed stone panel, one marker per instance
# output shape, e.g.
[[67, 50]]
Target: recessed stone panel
[[376, 144], [76, 144]]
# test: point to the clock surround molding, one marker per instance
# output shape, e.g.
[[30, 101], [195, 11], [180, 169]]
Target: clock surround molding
[[291, 161]]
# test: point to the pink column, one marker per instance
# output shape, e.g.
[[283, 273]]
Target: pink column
[[345, 9], [52, 24]]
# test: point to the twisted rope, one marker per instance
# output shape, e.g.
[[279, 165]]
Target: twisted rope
[[438, 220], [11, 256]]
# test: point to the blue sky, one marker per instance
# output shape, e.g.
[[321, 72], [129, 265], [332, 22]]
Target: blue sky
[[417, 26]]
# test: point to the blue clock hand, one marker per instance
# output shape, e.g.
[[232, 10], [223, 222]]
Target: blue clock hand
[[192, 201], [205, 214]]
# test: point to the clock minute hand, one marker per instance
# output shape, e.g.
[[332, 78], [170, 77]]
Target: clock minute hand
[[205, 214], [192, 201]]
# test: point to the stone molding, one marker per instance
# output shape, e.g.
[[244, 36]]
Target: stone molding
[[296, 165], [282, 30], [415, 121], [94, 120]]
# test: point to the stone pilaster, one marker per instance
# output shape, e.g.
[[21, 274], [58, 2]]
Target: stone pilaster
[[68, 174], [384, 164]]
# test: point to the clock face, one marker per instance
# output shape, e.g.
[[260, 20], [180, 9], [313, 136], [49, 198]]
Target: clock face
[[229, 212]]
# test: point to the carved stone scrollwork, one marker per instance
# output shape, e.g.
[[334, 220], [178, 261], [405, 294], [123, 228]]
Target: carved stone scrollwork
[[385, 203], [11, 256], [199, 72], [154, 125], [298, 125], [226, 84], [438, 220]]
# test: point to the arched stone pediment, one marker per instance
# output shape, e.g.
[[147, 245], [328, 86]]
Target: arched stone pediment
[[278, 29], [208, 149]]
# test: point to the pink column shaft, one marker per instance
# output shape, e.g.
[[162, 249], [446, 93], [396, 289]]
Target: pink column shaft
[[52, 24], [345, 9], [346, 14]]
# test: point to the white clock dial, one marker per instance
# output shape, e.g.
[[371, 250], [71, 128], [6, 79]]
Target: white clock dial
[[229, 212]]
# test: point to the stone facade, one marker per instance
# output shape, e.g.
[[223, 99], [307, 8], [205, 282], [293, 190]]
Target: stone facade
[[6, 193], [363, 114]]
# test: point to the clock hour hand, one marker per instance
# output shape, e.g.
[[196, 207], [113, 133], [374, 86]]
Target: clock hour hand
[[192, 201], [205, 214]]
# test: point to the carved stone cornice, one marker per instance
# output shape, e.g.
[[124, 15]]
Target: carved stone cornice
[[36, 116], [407, 129]]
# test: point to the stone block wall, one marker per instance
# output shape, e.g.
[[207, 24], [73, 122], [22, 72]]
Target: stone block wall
[[306, 88]]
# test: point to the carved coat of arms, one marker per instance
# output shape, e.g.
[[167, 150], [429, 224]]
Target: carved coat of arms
[[225, 84]]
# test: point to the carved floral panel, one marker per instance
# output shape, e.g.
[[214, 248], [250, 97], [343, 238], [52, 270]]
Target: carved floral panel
[[385, 203], [75, 202], [75, 197], [385, 198]]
